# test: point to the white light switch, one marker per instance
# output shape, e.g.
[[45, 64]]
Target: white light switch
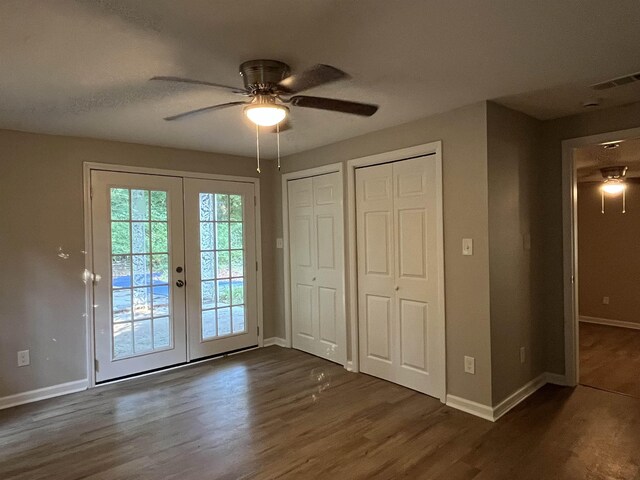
[[278, 243], [470, 365], [467, 246]]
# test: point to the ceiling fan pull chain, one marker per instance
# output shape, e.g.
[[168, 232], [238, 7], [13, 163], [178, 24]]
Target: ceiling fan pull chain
[[602, 200], [624, 201], [278, 142], [258, 147]]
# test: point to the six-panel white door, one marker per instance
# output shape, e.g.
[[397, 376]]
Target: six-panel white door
[[398, 280], [317, 266]]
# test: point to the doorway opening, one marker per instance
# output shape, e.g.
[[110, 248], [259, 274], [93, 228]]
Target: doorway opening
[[602, 319]]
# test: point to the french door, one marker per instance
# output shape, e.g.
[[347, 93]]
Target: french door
[[221, 266], [165, 294]]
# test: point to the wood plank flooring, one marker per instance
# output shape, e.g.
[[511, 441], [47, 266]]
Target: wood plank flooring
[[279, 413], [610, 358]]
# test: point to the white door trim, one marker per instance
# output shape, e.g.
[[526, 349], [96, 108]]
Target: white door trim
[[311, 172], [433, 148], [570, 244], [87, 167]]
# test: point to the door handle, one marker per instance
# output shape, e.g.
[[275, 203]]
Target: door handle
[[397, 288], [179, 283], [313, 279]]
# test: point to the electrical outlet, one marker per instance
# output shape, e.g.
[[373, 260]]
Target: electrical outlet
[[470, 365], [279, 243], [605, 300], [522, 354], [23, 358]]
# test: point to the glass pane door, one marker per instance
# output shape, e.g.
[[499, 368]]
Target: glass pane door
[[222, 265], [222, 304], [140, 305], [138, 250]]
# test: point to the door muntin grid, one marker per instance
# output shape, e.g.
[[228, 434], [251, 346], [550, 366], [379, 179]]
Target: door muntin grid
[[140, 272], [222, 266]]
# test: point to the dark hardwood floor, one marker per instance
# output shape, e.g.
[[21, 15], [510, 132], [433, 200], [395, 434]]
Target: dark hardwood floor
[[610, 358], [279, 413]]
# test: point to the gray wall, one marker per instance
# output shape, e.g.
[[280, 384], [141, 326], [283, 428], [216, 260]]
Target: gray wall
[[515, 249], [550, 191], [41, 209], [464, 152]]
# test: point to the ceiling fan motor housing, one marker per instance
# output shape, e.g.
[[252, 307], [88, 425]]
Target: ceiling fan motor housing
[[262, 76]]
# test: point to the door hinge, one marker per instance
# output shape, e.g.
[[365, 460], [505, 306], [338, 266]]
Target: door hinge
[[255, 200], [258, 330], [90, 192], [96, 364], [256, 266]]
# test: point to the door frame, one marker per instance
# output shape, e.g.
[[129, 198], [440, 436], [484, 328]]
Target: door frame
[[432, 149], [570, 245], [87, 168], [311, 172]]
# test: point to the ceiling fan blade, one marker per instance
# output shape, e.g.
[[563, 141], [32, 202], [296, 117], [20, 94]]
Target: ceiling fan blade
[[203, 110], [284, 126], [313, 77], [344, 106], [200, 82]]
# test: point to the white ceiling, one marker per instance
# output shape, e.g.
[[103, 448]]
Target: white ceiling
[[81, 67]]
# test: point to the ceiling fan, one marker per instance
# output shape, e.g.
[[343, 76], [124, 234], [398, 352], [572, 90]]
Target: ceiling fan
[[270, 88]]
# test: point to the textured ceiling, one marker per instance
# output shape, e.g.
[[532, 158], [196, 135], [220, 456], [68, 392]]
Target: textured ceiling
[[81, 67], [589, 160]]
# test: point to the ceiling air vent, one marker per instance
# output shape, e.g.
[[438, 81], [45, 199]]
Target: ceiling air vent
[[617, 82]]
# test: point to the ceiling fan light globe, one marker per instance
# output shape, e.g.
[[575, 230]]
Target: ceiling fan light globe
[[266, 116], [613, 188]]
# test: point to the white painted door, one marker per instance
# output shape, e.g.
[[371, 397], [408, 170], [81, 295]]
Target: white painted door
[[401, 327], [222, 306], [317, 266], [138, 248]]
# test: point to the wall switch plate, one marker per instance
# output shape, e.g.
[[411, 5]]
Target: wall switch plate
[[467, 246], [279, 243], [23, 358], [470, 365], [605, 300], [522, 354]]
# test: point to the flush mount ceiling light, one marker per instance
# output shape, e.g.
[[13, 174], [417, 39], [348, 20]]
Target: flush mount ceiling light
[[613, 184], [268, 87]]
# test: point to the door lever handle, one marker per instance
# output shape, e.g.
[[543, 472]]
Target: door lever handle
[[397, 288], [179, 283]]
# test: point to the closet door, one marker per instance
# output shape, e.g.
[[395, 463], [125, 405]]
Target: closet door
[[398, 280], [317, 266]]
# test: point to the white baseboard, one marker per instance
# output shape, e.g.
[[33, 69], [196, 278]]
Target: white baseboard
[[42, 393], [556, 379], [610, 322], [469, 406], [518, 396], [280, 342], [494, 413]]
